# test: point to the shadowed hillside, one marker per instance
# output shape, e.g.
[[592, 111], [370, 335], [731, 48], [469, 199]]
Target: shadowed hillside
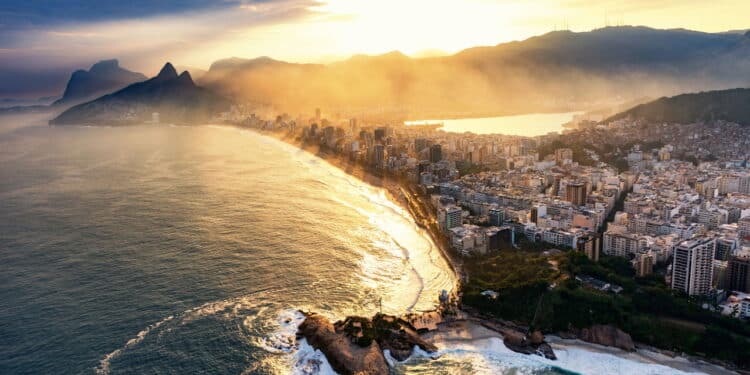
[[556, 71], [176, 98], [728, 105]]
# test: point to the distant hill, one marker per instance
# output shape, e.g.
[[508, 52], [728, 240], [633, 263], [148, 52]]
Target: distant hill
[[176, 98], [556, 71], [728, 105], [104, 77]]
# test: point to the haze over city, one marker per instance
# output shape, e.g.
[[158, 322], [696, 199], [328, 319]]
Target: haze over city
[[48, 39]]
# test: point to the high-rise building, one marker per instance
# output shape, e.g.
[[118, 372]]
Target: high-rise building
[[743, 229], [436, 153], [317, 115], [643, 263], [725, 248], [378, 155], [589, 245], [692, 266], [575, 193], [380, 134], [451, 217], [497, 216], [737, 274]]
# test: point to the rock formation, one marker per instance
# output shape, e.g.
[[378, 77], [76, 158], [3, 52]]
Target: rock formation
[[607, 335], [356, 344]]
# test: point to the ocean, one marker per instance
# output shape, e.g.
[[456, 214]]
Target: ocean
[[173, 250]]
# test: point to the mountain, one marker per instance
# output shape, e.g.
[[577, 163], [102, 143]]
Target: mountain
[[561, 70], [728, 105], [104, 77], [175, 97]]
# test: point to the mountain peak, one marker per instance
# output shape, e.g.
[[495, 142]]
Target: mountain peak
[[167, 72], [185, 78], [105, 65]]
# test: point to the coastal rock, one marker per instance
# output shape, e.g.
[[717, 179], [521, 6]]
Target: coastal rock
[[536, 338], [533, 344], [344, 356], [606, 335], [356, 344], [401, 343]]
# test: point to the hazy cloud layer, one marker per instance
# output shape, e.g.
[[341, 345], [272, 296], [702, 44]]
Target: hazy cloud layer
[[41, 39]]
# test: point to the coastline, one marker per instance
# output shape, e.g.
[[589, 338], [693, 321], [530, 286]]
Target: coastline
[[465, 323], [396, 191]]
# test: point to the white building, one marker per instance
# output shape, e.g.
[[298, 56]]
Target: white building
[[692, 266]]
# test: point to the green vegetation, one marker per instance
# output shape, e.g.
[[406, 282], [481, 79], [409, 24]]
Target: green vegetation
[[579, 155], [467, 168], [612, 154], [728, 105], [646, 309]]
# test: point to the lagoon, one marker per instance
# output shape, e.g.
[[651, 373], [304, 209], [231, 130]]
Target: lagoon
[[529, 125]]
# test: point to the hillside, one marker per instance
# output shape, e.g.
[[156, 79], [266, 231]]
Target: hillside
[[728, 105], [104, 77], [556, 71], [176, 98]]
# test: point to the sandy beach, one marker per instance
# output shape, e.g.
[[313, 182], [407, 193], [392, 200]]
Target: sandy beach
[[466, 330], [469, 333]]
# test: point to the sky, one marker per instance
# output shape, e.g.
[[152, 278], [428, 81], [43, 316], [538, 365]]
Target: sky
[[42, 41]]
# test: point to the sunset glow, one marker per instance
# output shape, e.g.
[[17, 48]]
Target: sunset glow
[[325, 31]]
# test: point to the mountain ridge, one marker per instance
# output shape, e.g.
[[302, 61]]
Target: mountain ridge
[[175, 97], [103, 77], [731, 105], [560, 70]]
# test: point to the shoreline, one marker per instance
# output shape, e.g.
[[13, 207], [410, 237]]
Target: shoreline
[[396, 191]]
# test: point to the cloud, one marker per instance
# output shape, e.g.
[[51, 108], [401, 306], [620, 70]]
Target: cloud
[[66, 36]]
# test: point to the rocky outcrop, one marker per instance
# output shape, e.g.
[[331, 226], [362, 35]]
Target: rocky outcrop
[[528, 344], [344, 356], [606, 335], [401, 342], [355, 345]]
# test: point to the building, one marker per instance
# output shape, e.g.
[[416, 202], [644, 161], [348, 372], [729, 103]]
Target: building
[[575, 193], [450, 217], [619, 244], [589, 245], [380, 134], [692, 266], [496, 216], [737, 274], [436, 153], [379, 155], [643, 263]]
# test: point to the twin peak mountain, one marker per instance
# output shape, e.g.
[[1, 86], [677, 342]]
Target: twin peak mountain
[[176, 98]]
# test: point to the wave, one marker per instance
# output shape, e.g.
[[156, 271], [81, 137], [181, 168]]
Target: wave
[[104, 363], [230, 308], [310, 361], [283, 338]]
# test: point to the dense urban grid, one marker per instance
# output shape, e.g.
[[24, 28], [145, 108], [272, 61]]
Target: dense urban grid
[[638, 225]]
